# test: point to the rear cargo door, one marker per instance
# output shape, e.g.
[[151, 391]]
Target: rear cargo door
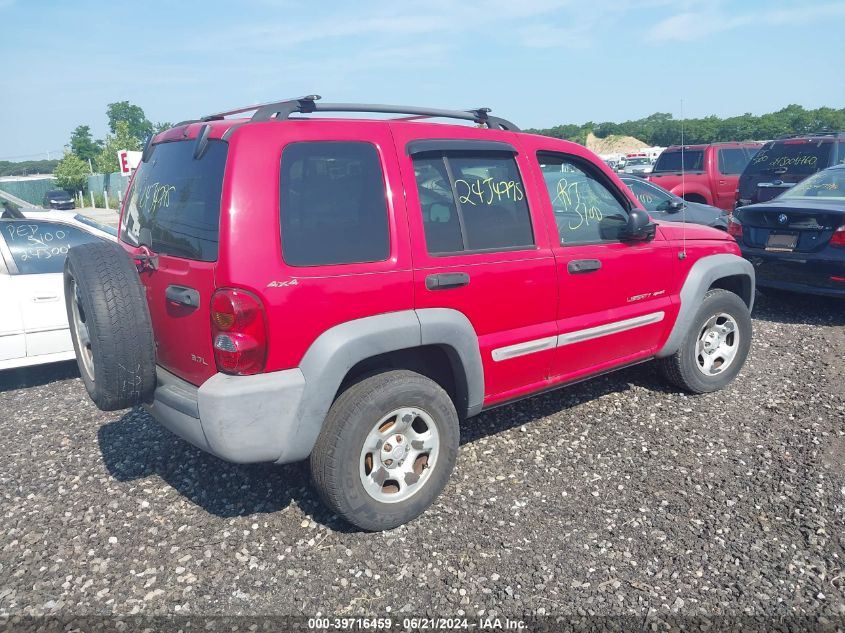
[[779, 165], [172, 213]]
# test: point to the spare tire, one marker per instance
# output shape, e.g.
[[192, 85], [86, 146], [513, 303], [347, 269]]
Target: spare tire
[[110, 325]]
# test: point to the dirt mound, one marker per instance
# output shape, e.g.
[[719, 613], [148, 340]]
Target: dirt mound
[[613, 144]]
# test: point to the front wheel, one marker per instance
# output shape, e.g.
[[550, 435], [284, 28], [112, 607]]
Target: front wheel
[[386, 450], [716, 346]]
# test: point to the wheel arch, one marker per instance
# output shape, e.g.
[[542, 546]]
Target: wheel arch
[[421, 340], [727, 271], [689, 191]]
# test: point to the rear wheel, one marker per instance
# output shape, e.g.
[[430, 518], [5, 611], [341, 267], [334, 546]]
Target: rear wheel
[[716, 346], [109, 325], [386, 450]]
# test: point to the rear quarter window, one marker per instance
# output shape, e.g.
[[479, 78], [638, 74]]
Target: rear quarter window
[[177, 198], [333, 207]]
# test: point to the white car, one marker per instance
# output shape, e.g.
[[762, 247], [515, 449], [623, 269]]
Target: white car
[[638, 165], [33, 246]]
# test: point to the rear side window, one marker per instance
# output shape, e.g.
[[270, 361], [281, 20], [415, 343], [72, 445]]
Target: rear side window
[[40, 247], [333, 207], [176, 198], [693, 160], [472, 201], [733, 160]]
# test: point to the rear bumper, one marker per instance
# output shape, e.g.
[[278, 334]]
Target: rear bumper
[[798, 272], [241, 419]]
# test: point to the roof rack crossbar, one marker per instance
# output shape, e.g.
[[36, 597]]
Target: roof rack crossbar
[[261, 107], [281, 110], [819, 133], [479, 115]]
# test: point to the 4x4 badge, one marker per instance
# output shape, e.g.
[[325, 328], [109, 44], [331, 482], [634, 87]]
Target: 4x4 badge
[[282, 284]]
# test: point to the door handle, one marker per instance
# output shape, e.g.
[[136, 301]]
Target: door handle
[[183, 296], [45, 298], [445, 281], [581, 266]]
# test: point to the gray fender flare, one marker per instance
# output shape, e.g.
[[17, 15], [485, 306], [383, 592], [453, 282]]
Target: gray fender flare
[[338, 349], [702, 275]]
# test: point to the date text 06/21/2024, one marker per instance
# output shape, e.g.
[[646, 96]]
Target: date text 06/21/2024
[[415, 624]]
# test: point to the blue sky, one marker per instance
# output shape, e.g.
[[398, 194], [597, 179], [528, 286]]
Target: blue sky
[[536, 62]]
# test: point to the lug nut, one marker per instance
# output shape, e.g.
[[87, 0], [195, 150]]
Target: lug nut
[[387, 448], [398, 439], [388, 462]]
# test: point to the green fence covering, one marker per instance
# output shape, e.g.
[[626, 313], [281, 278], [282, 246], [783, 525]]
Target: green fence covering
[[31, 190]]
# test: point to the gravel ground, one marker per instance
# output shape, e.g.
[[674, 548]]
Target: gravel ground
[[614, 497]]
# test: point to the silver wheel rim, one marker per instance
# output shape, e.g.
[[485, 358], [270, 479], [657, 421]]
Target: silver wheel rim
[[717, 344], [80, 330], [399, 454]]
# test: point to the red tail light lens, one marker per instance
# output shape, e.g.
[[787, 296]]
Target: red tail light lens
[[239, 332], [735, 228], [838, 237]]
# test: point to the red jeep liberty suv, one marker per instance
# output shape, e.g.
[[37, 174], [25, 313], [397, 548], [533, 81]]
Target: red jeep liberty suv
[[346, 290]]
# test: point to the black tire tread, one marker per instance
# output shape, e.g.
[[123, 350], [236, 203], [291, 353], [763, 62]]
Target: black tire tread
[[119, 324], [324, 458], [674, 368]]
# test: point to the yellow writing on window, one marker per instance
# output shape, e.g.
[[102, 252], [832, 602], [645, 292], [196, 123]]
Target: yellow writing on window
[[569, 196], [155, 196], [488, 191]]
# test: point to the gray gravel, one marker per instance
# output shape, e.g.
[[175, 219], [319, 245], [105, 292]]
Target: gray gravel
[[616, 496]]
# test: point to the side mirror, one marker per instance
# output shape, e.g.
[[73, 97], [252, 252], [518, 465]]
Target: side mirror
[[673, 206], [639, 228]]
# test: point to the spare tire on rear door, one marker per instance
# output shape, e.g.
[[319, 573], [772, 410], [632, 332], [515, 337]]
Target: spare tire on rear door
[[110, 325]]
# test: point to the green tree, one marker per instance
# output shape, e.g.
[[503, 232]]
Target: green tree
[[83, 144], [661, 129], [138, 124], [71, 173], [106, 162], [161, 126]]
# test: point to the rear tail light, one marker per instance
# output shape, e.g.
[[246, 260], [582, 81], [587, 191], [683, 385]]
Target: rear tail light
[[735, 228], [838, 237], [239, 332]]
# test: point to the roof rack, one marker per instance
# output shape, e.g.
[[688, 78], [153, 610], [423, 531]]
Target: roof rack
[[808, 134], [281, 110]]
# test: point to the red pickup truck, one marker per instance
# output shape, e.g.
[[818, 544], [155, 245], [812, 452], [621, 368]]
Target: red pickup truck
[[707, 173]]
